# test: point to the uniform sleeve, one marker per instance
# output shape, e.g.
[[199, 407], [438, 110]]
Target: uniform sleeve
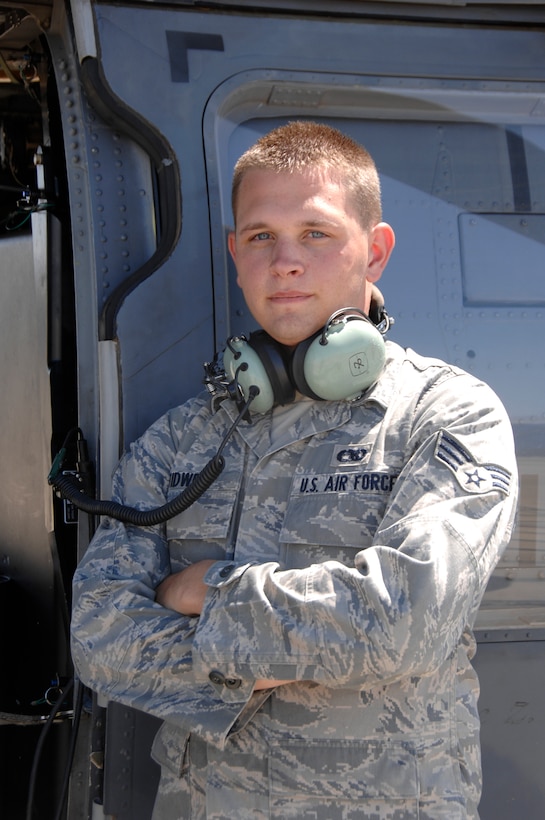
[[125, 645], [403, 606]]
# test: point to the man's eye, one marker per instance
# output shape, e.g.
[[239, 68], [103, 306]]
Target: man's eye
[[261, 236], [317, 234]]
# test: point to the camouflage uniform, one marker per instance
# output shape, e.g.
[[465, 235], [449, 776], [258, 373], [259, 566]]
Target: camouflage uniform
[[352, 558]]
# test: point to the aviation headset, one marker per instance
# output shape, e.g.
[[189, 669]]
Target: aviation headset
[[339, 362]]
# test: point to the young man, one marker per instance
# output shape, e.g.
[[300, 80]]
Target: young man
[[304, 628]]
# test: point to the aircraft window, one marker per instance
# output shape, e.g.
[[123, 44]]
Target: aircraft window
[[508, 238], [463, 179]]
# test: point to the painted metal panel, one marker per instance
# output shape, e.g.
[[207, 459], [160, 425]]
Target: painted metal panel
[[512, 676]]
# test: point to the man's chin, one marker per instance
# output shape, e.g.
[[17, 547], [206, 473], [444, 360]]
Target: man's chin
[[290, 338], [289, 342]]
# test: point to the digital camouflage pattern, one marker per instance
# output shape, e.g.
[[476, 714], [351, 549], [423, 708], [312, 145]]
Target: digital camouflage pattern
[[352, 556]]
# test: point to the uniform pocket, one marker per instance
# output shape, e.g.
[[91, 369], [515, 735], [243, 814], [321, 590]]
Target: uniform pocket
[[206, 518], [328, 527], [203, 529], [169, 748], [340, 779]]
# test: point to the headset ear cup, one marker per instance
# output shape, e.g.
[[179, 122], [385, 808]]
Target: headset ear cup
[[259, 363], [274, 359], [297, 367], [348, 364]]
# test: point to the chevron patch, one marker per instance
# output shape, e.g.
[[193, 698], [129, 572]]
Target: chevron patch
[[472, 477]]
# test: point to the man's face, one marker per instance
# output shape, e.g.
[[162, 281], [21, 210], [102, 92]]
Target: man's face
[[301, 252]]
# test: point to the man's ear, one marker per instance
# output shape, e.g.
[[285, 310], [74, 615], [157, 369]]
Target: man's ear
[[381, 244], [231, 244]]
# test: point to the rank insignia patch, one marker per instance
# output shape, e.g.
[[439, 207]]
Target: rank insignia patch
[[471, 476]]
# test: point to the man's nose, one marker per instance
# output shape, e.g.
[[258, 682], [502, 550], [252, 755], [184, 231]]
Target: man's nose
[[287, 258]]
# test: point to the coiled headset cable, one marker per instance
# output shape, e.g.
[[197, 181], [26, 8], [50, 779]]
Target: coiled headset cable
[[72, 487]]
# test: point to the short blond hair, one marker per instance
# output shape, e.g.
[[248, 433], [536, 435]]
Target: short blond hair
[[302, 146]]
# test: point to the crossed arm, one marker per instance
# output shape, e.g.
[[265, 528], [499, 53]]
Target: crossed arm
[[185, 591]]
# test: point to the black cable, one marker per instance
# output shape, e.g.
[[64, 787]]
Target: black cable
[[78, 708], [40, 745], [69, 487]]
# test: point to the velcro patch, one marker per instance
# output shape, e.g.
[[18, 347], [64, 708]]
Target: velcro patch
[[351, 455], [471, 476]]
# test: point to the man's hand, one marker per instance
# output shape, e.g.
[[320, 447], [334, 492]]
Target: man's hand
[[185, 591], [269, 684]]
